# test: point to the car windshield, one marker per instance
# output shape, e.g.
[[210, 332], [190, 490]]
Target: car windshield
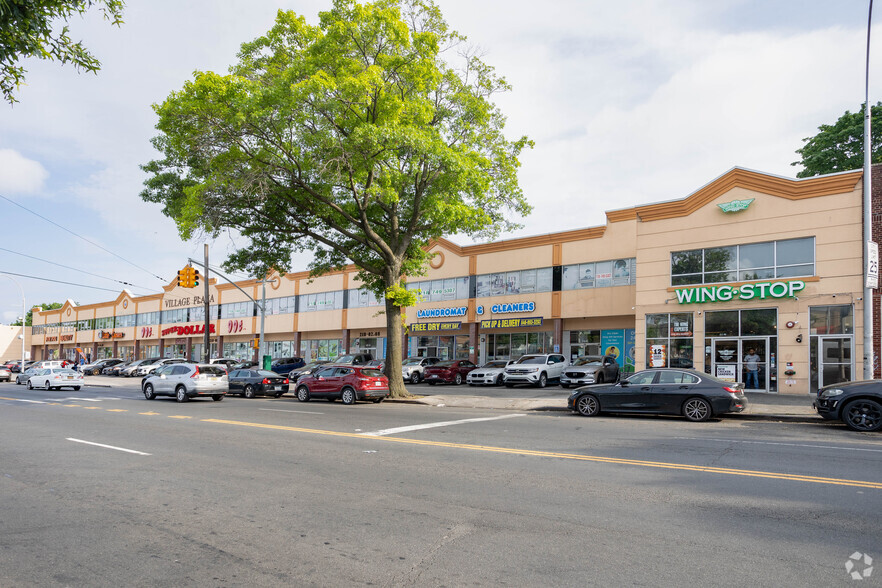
[[313, 364], [372, 373], [65, 372], [587, 361], [266, 374], [531, 359], [495, 364], [412, 361]]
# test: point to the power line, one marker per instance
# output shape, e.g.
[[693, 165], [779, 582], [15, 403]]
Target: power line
[[81, 237], [56, 281], [75, 269]]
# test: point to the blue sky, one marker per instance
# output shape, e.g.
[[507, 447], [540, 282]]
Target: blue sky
[[628, 103]]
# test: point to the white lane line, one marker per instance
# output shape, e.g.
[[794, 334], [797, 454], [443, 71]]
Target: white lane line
[[31, 401], [107, 446], [785, 444], [297, 411], [441, 424]]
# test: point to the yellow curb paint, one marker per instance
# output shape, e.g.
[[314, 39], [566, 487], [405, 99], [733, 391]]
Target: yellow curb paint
[[572, 456]]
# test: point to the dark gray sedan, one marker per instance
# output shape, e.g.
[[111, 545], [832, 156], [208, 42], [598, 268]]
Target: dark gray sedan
[[254, 382], [695, 395], [590, 369]]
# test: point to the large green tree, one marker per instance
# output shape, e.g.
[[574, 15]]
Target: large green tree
[[28, 28], [359, 139], [30, 316], [840, 146]]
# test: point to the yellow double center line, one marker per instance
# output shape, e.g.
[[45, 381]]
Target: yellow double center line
[[573, 456]]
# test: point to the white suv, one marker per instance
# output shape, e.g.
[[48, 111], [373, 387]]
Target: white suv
[[412, 368], [187, 380], [535, 370]]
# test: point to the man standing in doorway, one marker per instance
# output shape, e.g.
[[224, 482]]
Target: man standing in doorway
[[751, 360]]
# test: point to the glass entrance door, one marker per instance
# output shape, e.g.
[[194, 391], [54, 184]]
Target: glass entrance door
[[725, 359], [754, 364], [750, 360], [831, 361]]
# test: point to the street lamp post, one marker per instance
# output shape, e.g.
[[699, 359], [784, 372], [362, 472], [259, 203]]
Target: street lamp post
[[869, 286]]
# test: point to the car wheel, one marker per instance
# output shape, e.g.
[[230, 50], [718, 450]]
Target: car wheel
[[564, 386], [500, 380], [149, 394], [588, 405], [76, 388], [697, 410], [415, 378], [543, 380], [278, 394], [248, 392], [303, 394], [378, 400], [862, 415], [457, 379], [181, 394], [217, 397], [48, 387], [599, 378], [348, 396], [430, 383], [30, 386]]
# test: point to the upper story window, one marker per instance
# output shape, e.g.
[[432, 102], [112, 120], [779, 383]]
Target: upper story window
[[236, 310], [283, 305], [739, 263], [521, 282], [599, 274], [321, 301], [177, 315], [148, 318], [442, 290], [126, 320], [362, 297]]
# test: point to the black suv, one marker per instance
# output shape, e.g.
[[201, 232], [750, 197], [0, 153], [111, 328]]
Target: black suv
[[857, 404]]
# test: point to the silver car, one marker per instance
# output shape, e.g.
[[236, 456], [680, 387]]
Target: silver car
[[22, 377], [187, 380], [145, 369], [591, 369], [55, 379], [412, 368], [492, 372]]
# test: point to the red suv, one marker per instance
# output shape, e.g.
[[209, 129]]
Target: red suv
[[346, 382], [454, 371]]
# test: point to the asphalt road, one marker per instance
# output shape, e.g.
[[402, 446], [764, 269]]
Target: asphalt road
[[101, 487]]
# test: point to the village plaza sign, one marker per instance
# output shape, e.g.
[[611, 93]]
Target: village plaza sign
[[727, 292]]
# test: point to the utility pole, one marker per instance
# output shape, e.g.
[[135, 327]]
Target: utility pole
[[23, 316], [206, 337], [870, 273]]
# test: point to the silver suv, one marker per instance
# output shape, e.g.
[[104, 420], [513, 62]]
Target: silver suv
[[145, 369], [187, 380], [535, 370], [412, 368]]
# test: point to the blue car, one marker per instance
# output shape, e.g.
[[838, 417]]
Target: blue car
[[283, 365]]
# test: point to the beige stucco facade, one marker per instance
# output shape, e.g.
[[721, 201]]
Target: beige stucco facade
[[591, 290]]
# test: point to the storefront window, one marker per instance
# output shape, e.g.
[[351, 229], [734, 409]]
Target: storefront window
[[238, 350], [831, 320], [463, 347], [723, 323], [669, 340], [754, 261], [521, 282], [321, 349], [618, 272]]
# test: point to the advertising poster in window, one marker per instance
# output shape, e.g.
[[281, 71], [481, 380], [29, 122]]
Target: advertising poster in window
[[630, 351], [497, 284], [586, 275], [658, 356], [621, 272], [681, 326], [363, 298], [570, 280], [483, 286], [603, 273], [513, 283], [528, 281], [727, 373], [612, 342]]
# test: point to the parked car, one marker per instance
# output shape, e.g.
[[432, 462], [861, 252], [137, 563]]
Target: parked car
[[113, 368], [49, 363], [55, 378], [185, 381], [283, 365], [129, 370], [309, 368], [94, 368], [377, 364], [5, 374], [535, 369], [227, 362], [145, 369], [353, 359], [244, 365], [413, 368], [451, 372], [590, 369], [14, 365], [252, 382], [695, 395], [857, 404], [492, 372], [22, 377], [346, 382]]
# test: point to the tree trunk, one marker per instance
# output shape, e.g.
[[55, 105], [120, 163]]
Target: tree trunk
[[394, 342]]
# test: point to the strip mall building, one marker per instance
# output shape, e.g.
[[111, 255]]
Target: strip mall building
[[749, 265]]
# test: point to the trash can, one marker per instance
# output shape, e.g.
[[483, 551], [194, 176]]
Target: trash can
[[267, 361]]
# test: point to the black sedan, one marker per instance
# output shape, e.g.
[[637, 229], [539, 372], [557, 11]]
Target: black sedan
[[857, 404], [250, 383], [695, 395]]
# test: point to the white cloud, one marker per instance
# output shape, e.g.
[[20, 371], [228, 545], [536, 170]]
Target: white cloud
[[20, 175]]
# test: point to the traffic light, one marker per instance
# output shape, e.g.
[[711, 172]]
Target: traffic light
[[194, 277], [183, 278]]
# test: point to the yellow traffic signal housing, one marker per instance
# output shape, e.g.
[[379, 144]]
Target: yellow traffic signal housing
[[183, 278], [194, 277]]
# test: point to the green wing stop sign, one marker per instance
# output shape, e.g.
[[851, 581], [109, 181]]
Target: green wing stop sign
[[735, 205], [728, 292]]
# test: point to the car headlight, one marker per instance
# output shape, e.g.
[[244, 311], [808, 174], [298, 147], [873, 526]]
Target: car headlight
[[832, 392]]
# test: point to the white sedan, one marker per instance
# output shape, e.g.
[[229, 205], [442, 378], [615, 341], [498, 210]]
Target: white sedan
[[55, 378], [492, 372], [5, 373]]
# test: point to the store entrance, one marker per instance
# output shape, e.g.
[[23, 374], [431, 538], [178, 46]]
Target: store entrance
[[750, 360], [830, 361]]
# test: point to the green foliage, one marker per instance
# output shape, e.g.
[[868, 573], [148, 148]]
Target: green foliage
[[26, 30], [30, 316], [840, 147], [354, 139]]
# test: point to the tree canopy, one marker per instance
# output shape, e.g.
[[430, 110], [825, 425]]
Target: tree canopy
[[840, 146], [30, 315], [359, 139], [27, 29]]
